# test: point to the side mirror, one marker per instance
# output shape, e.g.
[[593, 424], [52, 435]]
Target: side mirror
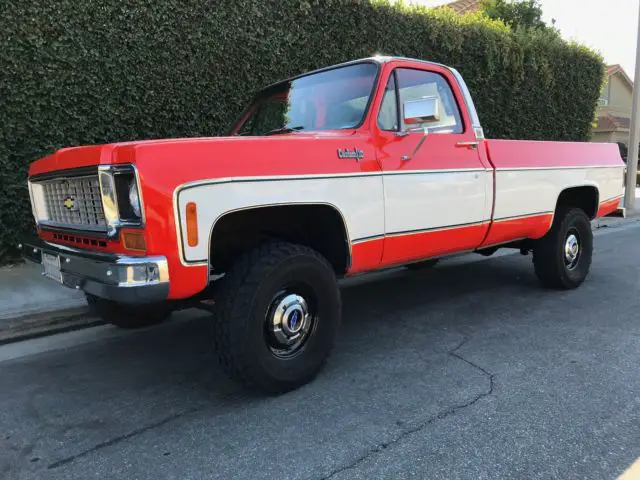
[[422, 111]]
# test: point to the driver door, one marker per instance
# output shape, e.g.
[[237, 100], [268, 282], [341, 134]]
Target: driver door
[[437, 191]]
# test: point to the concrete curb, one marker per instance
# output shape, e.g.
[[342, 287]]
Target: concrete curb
[[46, 323]]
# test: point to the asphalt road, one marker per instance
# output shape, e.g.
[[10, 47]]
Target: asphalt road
[[468, 371]]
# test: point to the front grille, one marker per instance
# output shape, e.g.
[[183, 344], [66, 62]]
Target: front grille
[[94, 242], [74, 202]]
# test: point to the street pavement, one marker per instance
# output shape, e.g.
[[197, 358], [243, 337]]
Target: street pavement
[[468, 371]]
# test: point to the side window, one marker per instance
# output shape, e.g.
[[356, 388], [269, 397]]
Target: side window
[[388, 115], [415, 84]]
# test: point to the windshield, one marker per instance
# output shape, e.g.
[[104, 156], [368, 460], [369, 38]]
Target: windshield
[[331, 100]]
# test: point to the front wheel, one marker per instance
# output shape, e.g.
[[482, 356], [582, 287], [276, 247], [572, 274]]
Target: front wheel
[[128, 316], [277, 314], [562, 257]]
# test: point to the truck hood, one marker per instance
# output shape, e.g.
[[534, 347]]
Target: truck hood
[[236, 149]]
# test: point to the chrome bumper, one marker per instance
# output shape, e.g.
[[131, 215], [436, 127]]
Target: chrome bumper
[[120, 278]]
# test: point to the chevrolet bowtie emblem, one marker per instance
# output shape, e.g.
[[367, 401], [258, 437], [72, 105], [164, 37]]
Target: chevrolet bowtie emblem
[[69, 203]]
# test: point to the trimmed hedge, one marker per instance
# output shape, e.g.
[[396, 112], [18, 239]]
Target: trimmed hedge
[[93, 71]]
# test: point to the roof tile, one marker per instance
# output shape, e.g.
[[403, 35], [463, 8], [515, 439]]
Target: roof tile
[[464, 6], [608, 123]]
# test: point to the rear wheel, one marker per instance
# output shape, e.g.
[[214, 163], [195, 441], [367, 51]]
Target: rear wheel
[[562, 258], [128, 316], [277, 314], [424, 265]]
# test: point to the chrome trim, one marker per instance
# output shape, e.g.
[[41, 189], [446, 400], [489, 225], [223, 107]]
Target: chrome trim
[[73, 226], [289, 323], [421, 110], [43, 205], [116, 277], [110, 202], [572, 249], [468, 100], [436, 229], [368, 239], [473, 145], [425, 134], [178, 227], [525, 215], [280, 178], [136, 175], [34, 208]]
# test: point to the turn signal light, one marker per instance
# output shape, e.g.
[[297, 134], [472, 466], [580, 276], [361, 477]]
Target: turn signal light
[[134, 241], [192, 224]]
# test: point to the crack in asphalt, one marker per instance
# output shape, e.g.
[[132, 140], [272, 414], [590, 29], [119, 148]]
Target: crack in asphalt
[[120, 438], [440, 416], [378, 448]]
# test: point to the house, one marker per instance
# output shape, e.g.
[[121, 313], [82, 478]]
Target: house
[[614, 109]]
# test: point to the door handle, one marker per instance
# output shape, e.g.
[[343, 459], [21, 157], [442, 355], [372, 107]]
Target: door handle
[[471, 145]]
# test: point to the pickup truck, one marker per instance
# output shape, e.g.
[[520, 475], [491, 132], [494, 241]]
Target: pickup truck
[[362, 166]]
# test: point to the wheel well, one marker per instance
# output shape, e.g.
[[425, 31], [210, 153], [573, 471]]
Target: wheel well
[[585, 198], [318, 226]]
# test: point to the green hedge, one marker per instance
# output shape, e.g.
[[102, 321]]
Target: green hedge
[[93, 71]]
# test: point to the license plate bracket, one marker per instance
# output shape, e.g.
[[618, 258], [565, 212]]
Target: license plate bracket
[[51, 265]]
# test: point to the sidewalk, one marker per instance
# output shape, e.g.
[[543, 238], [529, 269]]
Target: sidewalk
[[31, 305]]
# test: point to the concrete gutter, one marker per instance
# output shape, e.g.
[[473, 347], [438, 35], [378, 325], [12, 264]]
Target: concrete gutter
[[31, 305], [47, 323]]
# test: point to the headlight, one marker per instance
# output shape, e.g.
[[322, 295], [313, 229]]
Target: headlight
[[134, 199], [38, 205], [120, 197]]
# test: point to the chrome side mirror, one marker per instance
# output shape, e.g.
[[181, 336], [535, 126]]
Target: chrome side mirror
[[419, 114], [422, 111]]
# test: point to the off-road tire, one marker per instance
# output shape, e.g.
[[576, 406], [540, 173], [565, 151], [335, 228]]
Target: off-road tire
[[424, 265], [241, 308], [549, 256], [128, 316]]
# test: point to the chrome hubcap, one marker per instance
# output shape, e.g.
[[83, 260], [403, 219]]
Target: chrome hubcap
[[572, 250], [288, 324]]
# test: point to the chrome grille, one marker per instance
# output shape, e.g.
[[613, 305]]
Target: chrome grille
[[74, 201]]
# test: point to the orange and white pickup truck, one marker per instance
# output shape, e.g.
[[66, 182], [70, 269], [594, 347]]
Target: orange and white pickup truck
[[362, 166]]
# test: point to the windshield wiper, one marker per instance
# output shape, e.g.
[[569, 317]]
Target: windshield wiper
[[285, 130]]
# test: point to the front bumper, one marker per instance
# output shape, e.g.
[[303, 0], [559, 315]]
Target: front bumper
[[123, 279]]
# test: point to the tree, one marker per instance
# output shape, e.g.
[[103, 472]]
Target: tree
[[516, 14]]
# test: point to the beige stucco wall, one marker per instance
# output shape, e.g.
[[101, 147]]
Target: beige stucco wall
[[620, 93], [601, 137], [619, 96], [620, 137], [610, 137]]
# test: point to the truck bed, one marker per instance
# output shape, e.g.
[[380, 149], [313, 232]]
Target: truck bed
[[530, 175]]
